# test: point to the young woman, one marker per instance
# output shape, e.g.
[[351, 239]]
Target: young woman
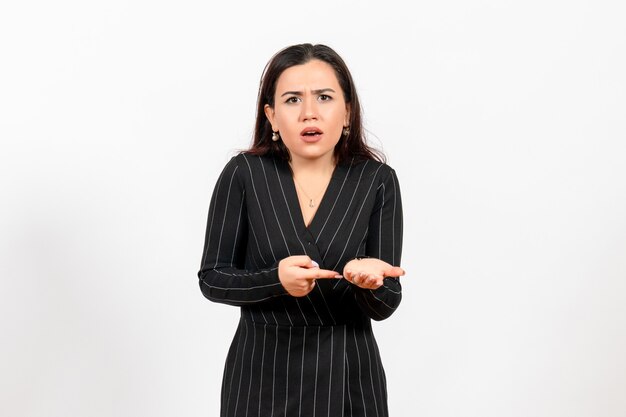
[[305, 234]]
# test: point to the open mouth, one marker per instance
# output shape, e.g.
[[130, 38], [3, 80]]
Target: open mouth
[[311, 132]]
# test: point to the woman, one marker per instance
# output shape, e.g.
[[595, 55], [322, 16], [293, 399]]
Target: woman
[[304, 234]]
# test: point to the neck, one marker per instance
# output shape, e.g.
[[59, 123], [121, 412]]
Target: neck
[[303, 166]]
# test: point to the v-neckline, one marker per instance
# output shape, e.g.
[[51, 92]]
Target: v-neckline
[[295, 200]]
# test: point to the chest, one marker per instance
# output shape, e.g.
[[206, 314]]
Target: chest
[[282, 222]]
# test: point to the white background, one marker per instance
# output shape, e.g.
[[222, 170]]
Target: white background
[[505, 121]]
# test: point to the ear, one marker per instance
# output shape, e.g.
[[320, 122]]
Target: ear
[[346, 122], [269, 113]]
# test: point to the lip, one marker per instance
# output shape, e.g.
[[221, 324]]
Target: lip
[[310, 129], [312, 138]]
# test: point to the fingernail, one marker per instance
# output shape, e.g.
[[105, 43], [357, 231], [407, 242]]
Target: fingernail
[[338, 276], [315, 264]]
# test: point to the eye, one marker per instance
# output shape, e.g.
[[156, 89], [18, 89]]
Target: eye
[[292, 99], [324, 97]]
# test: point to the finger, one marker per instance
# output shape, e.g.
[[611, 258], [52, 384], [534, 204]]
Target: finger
[[364, 283], [376, 284], [394, 271], [321, 274], [372, 280], [375, 276], [301, 260]]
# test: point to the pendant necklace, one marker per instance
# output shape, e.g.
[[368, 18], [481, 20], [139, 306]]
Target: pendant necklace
[[311, 200]]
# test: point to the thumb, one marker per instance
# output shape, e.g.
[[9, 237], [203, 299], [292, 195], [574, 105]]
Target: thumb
[[394, 271]]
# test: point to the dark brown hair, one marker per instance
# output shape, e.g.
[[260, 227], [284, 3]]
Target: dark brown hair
[[352, 145]]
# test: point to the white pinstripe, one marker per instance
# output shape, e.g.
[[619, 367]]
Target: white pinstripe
[[232, 375], [357, 252], [374, 295], [347, 368], [274, 370], [369, 359], [287, 378], [355, 221], [286, 312], [319, 319], [262, 366], [302, 369], [240, 289], [306, 322], [358, 357], [293, 225], [330, 377], [245, 340], [317, 362], [258, 201], [246, 274], [269, 192], [251, 363], [378, 365], [356, 187], [217, 187], [219, 243], [380, 225], [262, 315], [257, 300], [330, 313], [393, 221], [345, 178], [372, 309], [235, 240]]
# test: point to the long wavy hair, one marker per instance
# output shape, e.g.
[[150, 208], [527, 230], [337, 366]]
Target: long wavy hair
[[353, 145]]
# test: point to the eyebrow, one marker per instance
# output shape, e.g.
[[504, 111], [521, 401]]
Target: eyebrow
[[299, 93]]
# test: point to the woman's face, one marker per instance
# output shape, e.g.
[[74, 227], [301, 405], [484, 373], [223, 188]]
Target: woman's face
[[309, 110]]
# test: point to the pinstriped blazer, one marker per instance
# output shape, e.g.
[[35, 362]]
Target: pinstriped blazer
[[301, 356]]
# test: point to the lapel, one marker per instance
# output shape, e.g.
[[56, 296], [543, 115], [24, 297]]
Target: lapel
[[309, 236]]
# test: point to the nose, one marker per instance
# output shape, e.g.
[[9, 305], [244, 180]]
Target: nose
[[309, 108]]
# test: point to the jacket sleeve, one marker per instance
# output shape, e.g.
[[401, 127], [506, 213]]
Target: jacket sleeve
[[384, 241], [222, 275]]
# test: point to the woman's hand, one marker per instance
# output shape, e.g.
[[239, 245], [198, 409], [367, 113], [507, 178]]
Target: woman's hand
[[298, 274], [369, 273]]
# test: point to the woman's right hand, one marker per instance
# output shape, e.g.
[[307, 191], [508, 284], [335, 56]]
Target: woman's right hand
[[298, 274]]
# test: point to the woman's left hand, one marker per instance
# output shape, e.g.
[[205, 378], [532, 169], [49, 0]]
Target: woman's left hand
[[369, 273]]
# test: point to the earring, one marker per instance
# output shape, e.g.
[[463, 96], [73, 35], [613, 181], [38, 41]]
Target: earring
[[275, 136], [346, 131]]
